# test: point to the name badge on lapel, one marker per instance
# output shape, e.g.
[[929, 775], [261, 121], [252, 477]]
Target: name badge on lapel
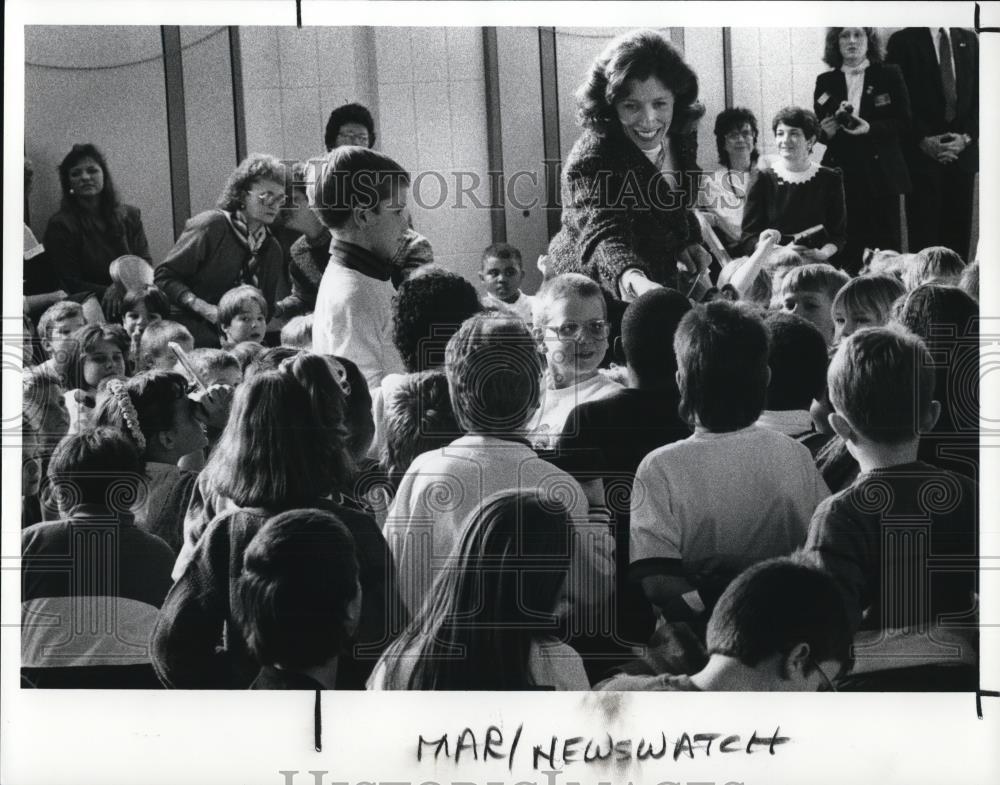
[[870, 89], [884, 99], [823, 99]]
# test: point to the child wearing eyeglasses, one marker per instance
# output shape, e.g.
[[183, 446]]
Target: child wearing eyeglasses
[[571, 329]]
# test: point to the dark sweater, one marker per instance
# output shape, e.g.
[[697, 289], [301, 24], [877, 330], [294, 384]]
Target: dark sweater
[[902, 544], [208, 259], [195, 644], [82, 252], [792, 207], [91, 587], [619, 212]]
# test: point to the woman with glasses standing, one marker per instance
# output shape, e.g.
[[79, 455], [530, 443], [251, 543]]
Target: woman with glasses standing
[[864, 140], [225, 247], [723, 202], [627, 184]]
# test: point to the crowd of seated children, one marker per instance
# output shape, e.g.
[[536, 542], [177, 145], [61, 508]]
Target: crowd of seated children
[[408, 422], [494, 379], [502, 271], [879, 536], [733, 493], [295, 412], [297, 600], [572, 329], [494, 618]]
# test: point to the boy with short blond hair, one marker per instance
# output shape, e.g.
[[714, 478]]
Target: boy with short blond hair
[[571, 327], [808, 291], [55, 330]]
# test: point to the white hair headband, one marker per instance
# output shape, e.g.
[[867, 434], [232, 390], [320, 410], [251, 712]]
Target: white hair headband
[[116, 388]]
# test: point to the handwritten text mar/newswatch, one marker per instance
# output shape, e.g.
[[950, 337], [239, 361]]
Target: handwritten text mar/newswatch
[[557, 752]]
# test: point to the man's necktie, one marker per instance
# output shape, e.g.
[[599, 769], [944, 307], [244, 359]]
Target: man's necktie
[[947, 78]]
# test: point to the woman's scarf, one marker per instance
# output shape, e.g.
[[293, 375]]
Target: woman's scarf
[[253, 241]]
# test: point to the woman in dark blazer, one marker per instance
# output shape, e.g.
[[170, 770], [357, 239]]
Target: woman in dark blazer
[[628, 181], [869, 153]]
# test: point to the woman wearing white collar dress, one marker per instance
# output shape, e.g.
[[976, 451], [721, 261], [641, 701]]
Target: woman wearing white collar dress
[[869, 152], [795, 193]]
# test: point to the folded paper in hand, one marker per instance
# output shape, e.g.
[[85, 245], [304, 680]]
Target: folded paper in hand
[[813, 237]]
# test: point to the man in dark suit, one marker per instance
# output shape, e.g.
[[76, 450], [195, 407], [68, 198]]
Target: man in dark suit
[[941, 69]]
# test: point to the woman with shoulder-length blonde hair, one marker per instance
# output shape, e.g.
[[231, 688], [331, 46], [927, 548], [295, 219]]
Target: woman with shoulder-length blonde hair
[[227, 246], [628, 183]]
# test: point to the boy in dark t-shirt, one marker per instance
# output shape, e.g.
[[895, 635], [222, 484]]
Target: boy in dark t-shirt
[[902, 540]]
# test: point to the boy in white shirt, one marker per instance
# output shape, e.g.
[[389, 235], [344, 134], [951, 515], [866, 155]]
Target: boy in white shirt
[[493, 380], [731, 495], [502, 272], [571, 328], [363, 203]]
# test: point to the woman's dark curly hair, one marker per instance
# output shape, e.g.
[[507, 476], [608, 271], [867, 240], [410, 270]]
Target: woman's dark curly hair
[[348, 113], [109, 208], [252, 169], [831, 48], [733, 119], [639, 55]]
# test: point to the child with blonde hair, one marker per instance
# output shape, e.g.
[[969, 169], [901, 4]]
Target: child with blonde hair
[[571, 328]]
